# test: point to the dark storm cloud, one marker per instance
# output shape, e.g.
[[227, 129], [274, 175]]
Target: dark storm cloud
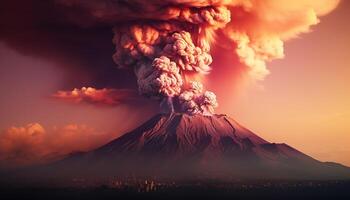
[[38, 29]]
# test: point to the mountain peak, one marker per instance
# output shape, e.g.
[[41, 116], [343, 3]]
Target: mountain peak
[[190, 145], [183, 133]]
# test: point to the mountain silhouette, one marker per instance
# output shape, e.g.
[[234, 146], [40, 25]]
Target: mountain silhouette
[[185, 146]]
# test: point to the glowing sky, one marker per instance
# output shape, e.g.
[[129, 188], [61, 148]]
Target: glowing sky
[[304, 102]]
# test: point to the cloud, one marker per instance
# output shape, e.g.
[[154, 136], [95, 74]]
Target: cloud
[[34, 144], [253, 32], [38, 29], [107, 97], [256, 29], [183, 32], [259, 29]]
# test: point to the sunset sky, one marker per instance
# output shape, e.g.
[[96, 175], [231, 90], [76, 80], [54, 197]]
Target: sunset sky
[[304, 101]]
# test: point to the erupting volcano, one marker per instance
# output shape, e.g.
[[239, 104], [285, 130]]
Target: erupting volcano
[[170, 46], [181, 146], [167, 46]]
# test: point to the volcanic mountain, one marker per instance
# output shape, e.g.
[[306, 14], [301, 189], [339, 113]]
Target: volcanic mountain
[[181, 145]]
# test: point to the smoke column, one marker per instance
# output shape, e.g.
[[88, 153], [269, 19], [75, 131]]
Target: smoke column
[[167, 42], [163, 53]]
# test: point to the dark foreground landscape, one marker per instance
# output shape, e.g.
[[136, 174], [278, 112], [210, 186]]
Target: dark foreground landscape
[[151, 189]]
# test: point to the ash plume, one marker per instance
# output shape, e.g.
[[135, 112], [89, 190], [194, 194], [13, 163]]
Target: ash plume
[[167, 42], [162, 52]]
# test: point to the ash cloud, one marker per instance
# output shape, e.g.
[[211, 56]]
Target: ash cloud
[[166, 43], [39, 29], [162, 41]]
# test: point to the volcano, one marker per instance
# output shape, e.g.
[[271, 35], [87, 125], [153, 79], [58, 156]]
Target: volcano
[[189, 146]]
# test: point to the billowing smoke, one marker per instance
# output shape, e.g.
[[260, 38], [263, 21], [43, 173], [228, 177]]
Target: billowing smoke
[[163, 52], [167, 42]]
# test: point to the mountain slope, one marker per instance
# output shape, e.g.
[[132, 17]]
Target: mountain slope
[[180, 145]]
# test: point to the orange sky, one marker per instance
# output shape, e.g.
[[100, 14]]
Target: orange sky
[[305, 101]]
